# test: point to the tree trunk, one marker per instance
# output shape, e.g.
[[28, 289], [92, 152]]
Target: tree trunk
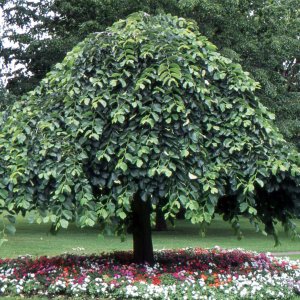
[[160, 222], [181, 214], [141, 230]]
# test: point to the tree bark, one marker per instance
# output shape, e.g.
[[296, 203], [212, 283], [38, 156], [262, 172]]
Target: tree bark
[[160, 222], [141, 230]]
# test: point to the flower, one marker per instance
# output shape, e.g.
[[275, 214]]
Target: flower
[[156, 281], [191, 273]]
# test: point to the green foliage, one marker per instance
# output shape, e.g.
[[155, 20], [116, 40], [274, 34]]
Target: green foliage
[[262, 35], [149, 107], [287, 116], [6, 98], [40, 33]]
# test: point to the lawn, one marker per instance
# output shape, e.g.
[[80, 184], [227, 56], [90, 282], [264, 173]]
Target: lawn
[[35, 239]]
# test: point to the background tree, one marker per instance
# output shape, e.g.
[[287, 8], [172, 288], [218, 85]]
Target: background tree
[[6, 98], [146, 112], [262, 35]]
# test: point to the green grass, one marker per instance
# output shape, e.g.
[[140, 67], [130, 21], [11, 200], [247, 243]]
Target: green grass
[[36, 240], [295, 257]]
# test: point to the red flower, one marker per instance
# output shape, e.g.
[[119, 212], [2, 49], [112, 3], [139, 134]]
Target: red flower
[[204, 277], [156, 281]]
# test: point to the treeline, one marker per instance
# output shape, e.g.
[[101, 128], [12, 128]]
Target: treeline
[[262, 35]]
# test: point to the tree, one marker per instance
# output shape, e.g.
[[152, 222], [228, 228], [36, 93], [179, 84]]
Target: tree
[[262, 35], [6, 98], [146, 112], [257, 36], [287, 109], [40, 33]]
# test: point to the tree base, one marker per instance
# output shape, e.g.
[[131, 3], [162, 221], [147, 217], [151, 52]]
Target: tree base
[[141, 230]]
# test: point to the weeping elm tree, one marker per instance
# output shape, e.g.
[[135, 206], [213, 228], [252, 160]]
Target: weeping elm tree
[[144, 113]]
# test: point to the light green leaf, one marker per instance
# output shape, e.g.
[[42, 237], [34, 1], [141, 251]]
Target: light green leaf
[[139, 163], [63, 223], [122, 215], [260, 182]]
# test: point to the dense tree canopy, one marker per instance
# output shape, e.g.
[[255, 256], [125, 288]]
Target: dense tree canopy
[[262, 35], [143, 112]]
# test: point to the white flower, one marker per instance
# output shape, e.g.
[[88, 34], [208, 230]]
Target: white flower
[[243, 292]]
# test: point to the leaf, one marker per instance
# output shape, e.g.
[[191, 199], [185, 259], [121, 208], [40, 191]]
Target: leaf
[[155, 116], [139, 163], [113, 82], [214, 190], [129, 157], [10, 228], [122, 165], [86, 101], [252, 210], [123, 82], [122, 215], [185, 153], [283, 168], [206, 187], [151, 172], [162, 68], [67, 214], [274, 169], [227, 142], [168, 172], [260, 182], [244, 206], [271, 116], [192, 176], [102, 102], [89, 222], [11, 218], [24, 204], [121, 119], [3, 194], [250, 187], [103, 213], [66, 188], [210, 208], [21, 137], [63, 223], [207, 217]]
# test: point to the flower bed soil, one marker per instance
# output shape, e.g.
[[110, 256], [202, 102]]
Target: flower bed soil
[[178, 274]]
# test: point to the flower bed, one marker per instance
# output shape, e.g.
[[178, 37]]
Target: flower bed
[[178, 274]]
